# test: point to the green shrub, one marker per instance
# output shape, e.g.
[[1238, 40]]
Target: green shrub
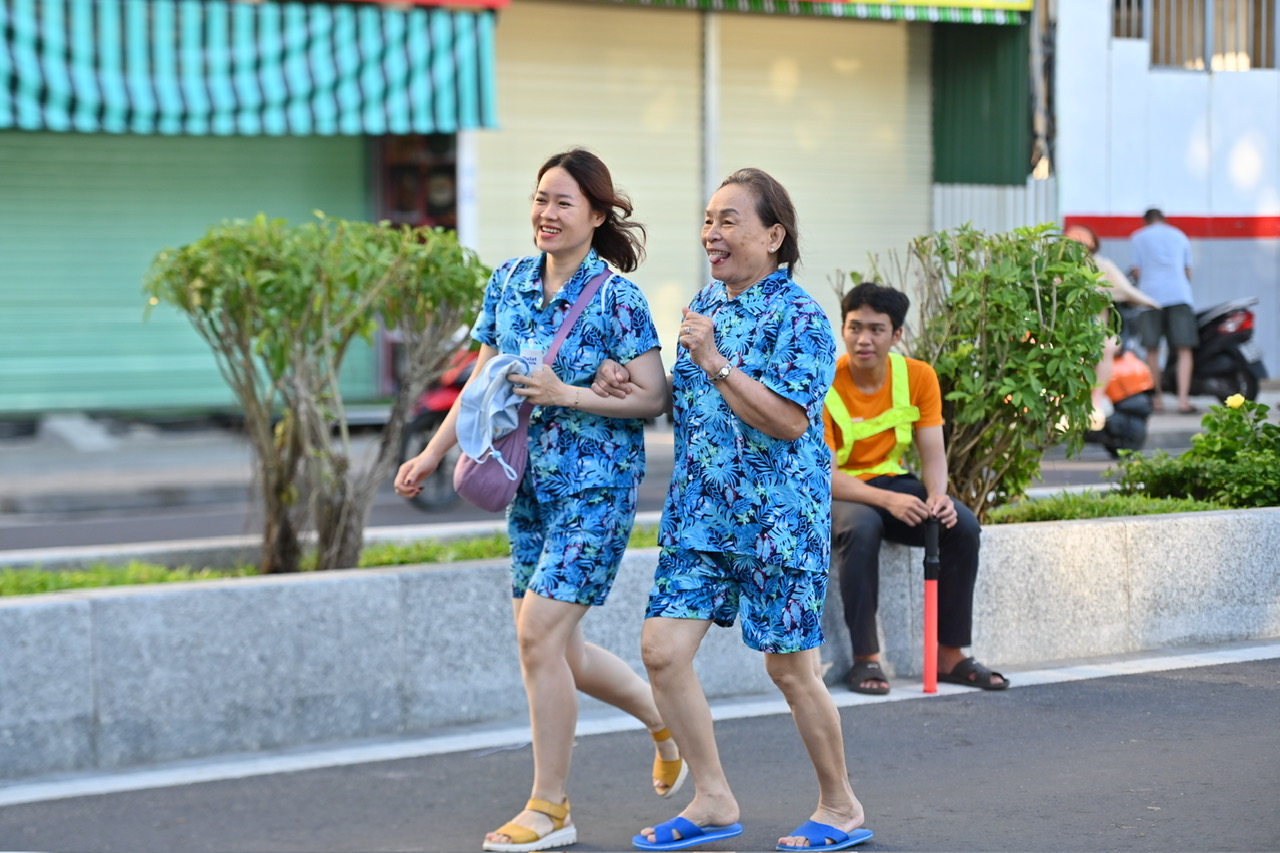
[[1068, 506], [1008, 322], [1234, 462], [493, 546]]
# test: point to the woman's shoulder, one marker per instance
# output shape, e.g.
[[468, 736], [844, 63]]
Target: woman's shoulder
[[513, 270], [518, 262], [797, 303], [782, 287]]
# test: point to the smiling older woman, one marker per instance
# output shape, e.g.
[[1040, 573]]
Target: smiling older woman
[[746, 528]]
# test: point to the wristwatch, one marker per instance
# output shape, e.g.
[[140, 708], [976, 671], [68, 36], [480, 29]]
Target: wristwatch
[[720, 374]]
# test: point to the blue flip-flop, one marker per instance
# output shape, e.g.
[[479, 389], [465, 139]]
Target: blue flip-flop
[[820, 832], [691, 835]]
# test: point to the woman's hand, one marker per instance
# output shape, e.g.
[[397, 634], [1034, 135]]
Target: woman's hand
[[698, 336], [408, 482], [612, 380], [543, 388]]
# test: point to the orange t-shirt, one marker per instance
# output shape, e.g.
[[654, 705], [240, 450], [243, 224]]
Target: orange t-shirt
[[871, 451]]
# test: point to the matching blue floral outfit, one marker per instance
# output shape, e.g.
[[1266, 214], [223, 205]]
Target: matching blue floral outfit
[[747, 523], [572, 516]]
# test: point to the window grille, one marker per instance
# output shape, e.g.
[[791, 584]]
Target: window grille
[[1202, 35], [1129, 20], [1244, 35]]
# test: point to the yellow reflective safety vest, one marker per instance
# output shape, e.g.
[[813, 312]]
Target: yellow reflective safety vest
[[899, 418]]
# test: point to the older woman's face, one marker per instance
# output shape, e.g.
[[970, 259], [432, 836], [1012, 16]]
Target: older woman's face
[[740, 247]]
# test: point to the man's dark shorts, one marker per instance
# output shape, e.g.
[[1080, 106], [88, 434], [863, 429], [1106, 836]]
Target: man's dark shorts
[[1176, 323]]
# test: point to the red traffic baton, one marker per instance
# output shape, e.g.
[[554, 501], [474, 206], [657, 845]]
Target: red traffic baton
[[931, 605]]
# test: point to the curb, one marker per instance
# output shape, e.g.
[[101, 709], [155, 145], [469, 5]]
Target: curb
[[125, 498]]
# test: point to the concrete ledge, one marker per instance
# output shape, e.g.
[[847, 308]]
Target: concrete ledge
[[1052, 591], [124, 677]]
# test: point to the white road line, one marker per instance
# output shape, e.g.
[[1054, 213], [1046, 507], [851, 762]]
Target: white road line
[[215, 770]]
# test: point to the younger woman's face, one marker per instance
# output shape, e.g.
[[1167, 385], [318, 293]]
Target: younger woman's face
[[563, 221]]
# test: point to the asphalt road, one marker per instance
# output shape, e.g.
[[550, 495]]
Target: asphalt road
[[1184, 759], [20, 531]]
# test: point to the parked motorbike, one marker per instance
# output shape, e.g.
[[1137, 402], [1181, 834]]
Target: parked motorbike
[[429, 412], [1227, 360]]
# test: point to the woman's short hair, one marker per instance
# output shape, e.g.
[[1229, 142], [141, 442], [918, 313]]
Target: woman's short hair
[[774, 207], [618, 240]]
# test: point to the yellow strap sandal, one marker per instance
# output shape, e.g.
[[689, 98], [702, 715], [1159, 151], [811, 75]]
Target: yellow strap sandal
[[525, 840], [669, 773]]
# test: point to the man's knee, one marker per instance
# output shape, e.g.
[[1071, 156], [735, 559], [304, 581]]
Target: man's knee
[[959, 551], [855, 522], [966, 527]]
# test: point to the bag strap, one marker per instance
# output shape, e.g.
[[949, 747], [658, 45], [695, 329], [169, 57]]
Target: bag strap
[[570, 318], [575, 310]]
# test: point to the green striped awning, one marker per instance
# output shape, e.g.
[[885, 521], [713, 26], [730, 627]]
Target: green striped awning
[[939, 14], [212, 67]]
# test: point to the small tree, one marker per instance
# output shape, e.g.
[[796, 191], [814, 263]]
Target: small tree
[[280, 306], [1008, 322]]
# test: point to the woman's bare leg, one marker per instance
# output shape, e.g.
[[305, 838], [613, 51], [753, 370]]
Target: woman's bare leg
[[818, 722], [545, 630], [669, 646], [603, 675]]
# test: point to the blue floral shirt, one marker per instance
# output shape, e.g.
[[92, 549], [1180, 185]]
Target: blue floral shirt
[[735, 489], [572, 450]]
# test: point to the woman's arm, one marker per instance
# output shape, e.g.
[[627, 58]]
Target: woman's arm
[[761, 406], [750, 399], [648, 393], [413, 471]]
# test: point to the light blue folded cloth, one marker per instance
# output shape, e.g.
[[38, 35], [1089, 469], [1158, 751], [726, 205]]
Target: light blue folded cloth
[[490, 409]]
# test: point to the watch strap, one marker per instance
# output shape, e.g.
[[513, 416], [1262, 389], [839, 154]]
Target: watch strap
[[721, 373]]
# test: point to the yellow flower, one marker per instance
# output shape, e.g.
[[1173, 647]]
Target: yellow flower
[[1235, 401]]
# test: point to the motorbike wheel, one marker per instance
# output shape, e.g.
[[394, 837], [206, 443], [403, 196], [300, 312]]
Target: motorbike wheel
[[1240, 381], [437, 490]]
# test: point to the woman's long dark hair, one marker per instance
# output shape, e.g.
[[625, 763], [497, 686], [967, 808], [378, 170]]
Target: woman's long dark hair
[[618, 240]]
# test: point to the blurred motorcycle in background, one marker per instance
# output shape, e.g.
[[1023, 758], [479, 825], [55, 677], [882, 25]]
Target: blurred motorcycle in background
[[1227, 360]]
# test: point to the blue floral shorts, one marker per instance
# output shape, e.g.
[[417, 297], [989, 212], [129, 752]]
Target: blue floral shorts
[[781, 608], [570, 549]]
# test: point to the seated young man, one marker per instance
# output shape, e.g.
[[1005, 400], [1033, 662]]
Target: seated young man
[[879, 403]]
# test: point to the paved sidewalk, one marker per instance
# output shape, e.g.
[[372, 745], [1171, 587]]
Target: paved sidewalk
[[76, 463], [1159, 752]]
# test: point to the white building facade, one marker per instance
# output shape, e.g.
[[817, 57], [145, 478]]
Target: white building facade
[[1175, 104]]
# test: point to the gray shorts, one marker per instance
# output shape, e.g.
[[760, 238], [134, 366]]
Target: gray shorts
[[1175, 323]]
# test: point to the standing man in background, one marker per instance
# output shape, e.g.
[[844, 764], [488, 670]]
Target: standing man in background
[[1162, 268]]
